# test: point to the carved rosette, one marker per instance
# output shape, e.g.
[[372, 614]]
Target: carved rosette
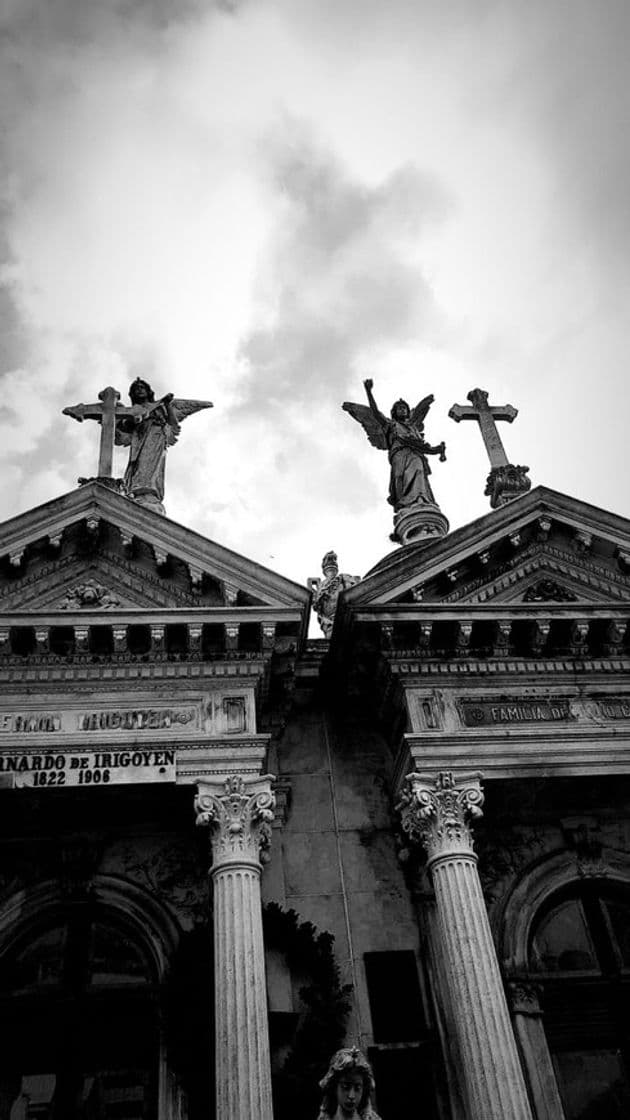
[[436, 812], [239, 812], [525, 997]]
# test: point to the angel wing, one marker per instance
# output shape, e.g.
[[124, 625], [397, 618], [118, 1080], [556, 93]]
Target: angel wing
[[184, 408], [371, 426], [419, 412]]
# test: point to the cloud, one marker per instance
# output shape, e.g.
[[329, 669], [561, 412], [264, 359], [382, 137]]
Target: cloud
[[263, 203], [338, 282]]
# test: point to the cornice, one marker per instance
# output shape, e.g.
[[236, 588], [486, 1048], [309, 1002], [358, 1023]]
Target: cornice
[[400, 571]]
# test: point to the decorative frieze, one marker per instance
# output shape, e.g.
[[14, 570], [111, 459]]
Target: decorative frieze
[[89, 595]]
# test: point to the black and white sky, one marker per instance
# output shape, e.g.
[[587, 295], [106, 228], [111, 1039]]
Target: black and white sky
[[264, 202]]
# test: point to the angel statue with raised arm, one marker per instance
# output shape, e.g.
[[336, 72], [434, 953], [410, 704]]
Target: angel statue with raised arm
[[148, 428], [403, 439]]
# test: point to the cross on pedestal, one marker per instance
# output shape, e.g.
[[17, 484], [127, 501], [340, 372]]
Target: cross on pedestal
[[505, 480], [106, 412], [486, 414]]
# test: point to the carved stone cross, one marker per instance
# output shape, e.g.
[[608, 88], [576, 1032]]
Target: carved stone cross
[[486, 416], [106, 413], [505, 480]]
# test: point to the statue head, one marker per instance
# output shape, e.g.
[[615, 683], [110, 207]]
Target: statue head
[[140, 392], [348, 1085], [330, 566], [400, 410]]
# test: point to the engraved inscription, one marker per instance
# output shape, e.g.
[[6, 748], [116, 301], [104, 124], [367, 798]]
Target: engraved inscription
[[613, 708], [30, 721], [135, 720], [86, 768], [495, 712]]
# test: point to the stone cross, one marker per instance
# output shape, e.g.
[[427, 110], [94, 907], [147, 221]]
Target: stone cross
[[106, 413], [486, 416], [505, 480]]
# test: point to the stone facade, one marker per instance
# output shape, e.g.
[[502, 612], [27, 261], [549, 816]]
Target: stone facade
[[415, 833]]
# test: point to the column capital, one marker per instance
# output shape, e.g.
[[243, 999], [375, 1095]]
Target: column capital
[[238, 810], [436, 811]]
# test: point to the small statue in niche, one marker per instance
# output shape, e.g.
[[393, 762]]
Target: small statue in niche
[[348, 1088], [326, 591]]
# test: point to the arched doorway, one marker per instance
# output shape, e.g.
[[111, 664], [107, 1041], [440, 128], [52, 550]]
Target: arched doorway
[[79, 1017], [580, 953]]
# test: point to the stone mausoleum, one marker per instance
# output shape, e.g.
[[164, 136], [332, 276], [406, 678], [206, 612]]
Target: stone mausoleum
[[227, 850]]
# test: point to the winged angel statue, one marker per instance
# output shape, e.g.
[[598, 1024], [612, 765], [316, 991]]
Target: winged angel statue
[[403, 438], [148, 429]]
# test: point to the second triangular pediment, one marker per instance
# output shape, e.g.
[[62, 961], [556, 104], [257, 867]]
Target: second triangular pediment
[[542, 547]]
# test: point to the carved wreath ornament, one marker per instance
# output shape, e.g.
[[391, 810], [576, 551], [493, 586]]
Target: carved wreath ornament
[[437, 814], [239, 816]]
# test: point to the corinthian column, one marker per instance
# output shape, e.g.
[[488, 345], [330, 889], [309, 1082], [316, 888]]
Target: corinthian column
[[238, 812], [436, 813]]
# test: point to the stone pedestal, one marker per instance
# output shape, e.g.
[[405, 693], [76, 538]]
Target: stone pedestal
[[505, 483], [239, 811], [436, 814], [420, 522]]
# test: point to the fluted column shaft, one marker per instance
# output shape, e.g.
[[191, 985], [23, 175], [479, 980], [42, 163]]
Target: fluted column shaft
[[238, 811], [530, 1034], [436, 813]]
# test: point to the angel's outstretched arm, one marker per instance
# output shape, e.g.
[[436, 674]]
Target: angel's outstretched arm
[[439, 450], [377, 414]]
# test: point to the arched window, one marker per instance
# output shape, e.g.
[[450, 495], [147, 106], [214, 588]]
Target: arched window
[[78, 1020], [580, 952]]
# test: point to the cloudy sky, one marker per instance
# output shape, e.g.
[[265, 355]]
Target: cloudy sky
[[264, 202]]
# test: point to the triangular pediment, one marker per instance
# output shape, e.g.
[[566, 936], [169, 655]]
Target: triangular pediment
[[94, 549], [542, 547]]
